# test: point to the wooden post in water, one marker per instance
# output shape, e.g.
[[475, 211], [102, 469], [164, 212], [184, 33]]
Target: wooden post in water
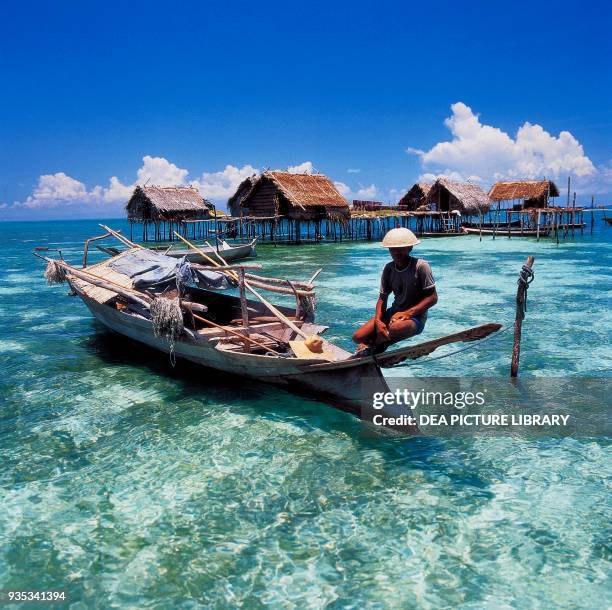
[[521, 299]]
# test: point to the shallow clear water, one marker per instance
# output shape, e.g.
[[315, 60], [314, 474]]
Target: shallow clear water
[[131, 484]]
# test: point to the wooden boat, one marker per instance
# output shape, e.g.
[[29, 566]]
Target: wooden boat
[[229, 252], [501, 231], [491, 225], [429, 234], [260, 350]]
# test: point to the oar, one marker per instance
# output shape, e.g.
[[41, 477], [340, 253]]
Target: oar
[[233, 332]]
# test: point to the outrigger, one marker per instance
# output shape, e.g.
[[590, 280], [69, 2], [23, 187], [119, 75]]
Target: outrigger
[[177, 307]]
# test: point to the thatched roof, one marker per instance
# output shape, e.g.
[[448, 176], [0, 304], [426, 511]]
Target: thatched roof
[[466, 197], [416, 194], [523, 189], [167, 203], [306, 190], [305, 194]]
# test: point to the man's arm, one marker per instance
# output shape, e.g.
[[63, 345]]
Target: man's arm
[[430, 299], [381, 308]]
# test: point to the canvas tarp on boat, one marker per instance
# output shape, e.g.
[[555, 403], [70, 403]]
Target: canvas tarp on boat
[[151, 270]]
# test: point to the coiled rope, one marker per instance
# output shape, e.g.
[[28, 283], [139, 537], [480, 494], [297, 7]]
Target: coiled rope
[[525, 278]]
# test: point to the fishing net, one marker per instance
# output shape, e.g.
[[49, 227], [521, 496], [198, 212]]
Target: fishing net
[[167, 319], [308, 306], [54, 274]]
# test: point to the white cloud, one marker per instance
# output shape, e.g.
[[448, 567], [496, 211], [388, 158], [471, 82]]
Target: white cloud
[[450, 174], [222, 185], [367, 191], [117, 191], [353, 170], [53, 190], [363, 192], [157, 170], [60, 190], [485, 153], [303, 168], [343, 189]]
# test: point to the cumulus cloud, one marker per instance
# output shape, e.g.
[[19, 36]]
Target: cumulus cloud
[[303, 168], [367, 191], [157, 170], [53, 189], [60, 190], [363, 192], [222, 185], [485, 153], [343, 189]]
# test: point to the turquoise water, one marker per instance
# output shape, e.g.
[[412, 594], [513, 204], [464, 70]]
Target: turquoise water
[[130, 484]]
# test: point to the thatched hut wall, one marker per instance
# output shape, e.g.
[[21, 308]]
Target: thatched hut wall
[[416, 196], [295, 196], [234, 203], [160, 204], [447, 196], [533, 193]]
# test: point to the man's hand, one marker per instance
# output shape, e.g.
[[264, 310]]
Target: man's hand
[[381, 329]]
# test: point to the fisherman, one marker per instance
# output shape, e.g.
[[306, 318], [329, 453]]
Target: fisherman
[[412, 283]]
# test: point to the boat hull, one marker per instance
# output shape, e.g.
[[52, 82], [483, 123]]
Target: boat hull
[[342, 386]]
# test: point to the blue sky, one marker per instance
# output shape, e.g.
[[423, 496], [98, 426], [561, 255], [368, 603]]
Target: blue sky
[[359, 91]]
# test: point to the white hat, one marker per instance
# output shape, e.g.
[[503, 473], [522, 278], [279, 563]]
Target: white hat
[[399, 238]]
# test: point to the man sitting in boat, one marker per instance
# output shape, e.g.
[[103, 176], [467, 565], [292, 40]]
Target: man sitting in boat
[[412, 283]]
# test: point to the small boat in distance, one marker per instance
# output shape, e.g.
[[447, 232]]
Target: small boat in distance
[[230, 252], [504, 231]]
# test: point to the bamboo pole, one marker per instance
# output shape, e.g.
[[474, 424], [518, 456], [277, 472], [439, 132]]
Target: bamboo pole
[[269, 305], [121, 238], [112, 287], [216, 253], [243, 306], [521, 297], [233, 332], [100, 283], [86, 248]]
